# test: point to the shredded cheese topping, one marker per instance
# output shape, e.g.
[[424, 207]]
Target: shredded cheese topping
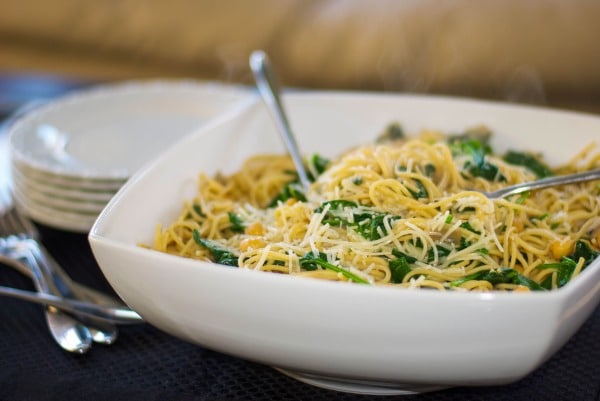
[[407, 213]]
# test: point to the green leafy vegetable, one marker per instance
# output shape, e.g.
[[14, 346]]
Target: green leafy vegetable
[[421, 192], [585, 251], [442, 251], [198, 210], [504, 275], [564, 272], [237, 224], [221, 255], [477, 149], [533, 163], [400, 266], [311, 261], [369, 223], [467, 226], [429, 169], [291, 190], [392, 132], [318, 164], [565, 268]]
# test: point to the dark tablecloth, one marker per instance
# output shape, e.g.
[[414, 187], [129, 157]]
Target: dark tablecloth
[[147, 364]]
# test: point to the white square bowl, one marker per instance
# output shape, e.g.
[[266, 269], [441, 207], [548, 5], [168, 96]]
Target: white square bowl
[[347, 337]]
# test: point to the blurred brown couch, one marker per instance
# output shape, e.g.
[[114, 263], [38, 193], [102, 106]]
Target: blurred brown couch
[[531, 51]]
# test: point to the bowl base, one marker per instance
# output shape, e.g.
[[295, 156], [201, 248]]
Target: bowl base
[[365, 387]]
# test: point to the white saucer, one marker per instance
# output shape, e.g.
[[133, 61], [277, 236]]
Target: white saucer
[[108, 132], [57, 202], [54, 180], [52, 217], [50, 189]]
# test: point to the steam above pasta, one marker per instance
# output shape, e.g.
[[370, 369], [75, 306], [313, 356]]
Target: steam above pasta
[[404, 211]]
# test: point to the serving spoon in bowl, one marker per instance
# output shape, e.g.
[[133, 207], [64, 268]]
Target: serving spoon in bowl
[[268, 88], [269, 91]]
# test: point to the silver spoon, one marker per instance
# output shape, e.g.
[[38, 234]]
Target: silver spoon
[[269, 90], [48, 268], [71, 334], [34, 267], [544, 183]]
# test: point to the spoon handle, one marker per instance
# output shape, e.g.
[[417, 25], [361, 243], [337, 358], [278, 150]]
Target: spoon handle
[[546, 183], [104, 313], [269, 90]]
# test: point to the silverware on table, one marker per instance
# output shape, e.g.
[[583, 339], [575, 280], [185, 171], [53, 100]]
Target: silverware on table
[[72, 333], [68, 332], [267, 86]]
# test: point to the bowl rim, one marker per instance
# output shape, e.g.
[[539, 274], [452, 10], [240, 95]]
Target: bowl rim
[[561, 294]]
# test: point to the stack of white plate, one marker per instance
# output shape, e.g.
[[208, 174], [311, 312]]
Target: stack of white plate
[[70, 156]]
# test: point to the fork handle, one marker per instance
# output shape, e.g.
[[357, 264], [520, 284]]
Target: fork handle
[[101, 313], [546, 183]]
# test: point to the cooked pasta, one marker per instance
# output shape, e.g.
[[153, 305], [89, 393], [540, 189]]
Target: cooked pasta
[[404, 211]]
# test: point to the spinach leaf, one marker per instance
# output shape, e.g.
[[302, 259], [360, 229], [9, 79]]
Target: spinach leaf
[[400, 266], [221, 255], [319, 165], [564, 272], [467, 226], [198, 210], [584, 250], [421, 192], [291, 190], [504, 275], [357, 180], [442, 251], [310, 261], [336, 204], [533, 163], [369, 223], [237, 224], [429, 169], [566, 266], [478, 166], [392, 132]]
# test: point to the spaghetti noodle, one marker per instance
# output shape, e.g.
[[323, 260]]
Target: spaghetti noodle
[[405, 212]]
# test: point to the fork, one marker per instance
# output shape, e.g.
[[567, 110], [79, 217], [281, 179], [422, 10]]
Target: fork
[[69, 332], [547, 182]]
